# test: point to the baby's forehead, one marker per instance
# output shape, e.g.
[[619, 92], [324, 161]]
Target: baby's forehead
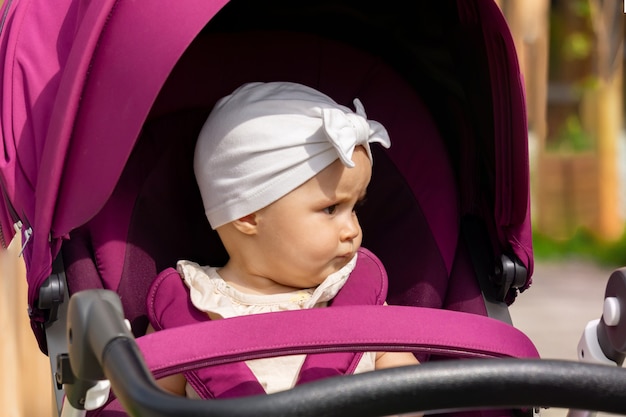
[[338, 179]]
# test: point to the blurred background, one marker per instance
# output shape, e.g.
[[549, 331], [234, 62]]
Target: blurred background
[[571, 55]]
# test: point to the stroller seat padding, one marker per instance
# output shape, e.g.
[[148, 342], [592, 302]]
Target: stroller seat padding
[[169, 306]]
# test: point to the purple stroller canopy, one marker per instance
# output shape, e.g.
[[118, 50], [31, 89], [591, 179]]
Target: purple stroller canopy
[[79, 79], [78, 83]]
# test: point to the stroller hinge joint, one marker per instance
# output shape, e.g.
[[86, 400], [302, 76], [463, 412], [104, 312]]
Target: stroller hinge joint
[[52, 295], [509, 273], [64, 374]]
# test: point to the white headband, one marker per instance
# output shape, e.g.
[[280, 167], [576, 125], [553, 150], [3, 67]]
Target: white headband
[[266, 139]]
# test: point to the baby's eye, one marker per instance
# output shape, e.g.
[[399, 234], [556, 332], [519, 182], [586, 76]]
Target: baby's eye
[[358, 204], [330, 209]]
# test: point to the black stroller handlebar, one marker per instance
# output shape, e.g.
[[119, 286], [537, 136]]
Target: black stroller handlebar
[[466, 384], [96, 332]]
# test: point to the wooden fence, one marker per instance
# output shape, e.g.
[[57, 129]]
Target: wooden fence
[[26, 383]]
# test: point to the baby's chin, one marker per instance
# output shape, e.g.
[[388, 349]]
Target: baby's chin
[[336, 266], [320, 276]]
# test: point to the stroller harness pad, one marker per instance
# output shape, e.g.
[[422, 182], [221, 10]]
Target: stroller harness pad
[[169, 305]]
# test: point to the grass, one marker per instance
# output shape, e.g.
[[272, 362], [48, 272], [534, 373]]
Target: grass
[[584, 245]]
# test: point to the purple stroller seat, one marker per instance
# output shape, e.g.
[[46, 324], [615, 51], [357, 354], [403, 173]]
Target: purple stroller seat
[[448, 166], [128, 242]]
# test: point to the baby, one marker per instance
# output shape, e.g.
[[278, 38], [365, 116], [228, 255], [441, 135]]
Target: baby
[[281, 168]]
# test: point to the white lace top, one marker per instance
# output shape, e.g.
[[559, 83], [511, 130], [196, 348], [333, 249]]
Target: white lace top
[[211, 294]]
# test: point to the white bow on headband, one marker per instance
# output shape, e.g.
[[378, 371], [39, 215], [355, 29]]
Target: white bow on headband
[[347, 130]]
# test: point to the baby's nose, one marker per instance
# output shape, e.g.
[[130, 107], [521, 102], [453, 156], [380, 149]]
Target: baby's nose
[[351, 229]]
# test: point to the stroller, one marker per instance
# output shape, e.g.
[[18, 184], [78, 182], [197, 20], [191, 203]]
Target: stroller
[[101, 104]]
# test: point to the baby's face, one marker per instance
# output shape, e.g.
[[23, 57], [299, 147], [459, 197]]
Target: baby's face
[[314, 231]]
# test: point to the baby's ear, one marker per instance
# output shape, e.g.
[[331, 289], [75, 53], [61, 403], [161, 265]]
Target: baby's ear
[[247, 224]]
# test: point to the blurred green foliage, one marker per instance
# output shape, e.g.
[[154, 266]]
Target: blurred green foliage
[[571, 53], [577, 45], [568, 43], [572, 137], [583, 245]]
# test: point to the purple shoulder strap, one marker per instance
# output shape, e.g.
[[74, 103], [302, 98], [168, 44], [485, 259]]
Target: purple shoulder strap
[[169, 306], [367, 286]]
